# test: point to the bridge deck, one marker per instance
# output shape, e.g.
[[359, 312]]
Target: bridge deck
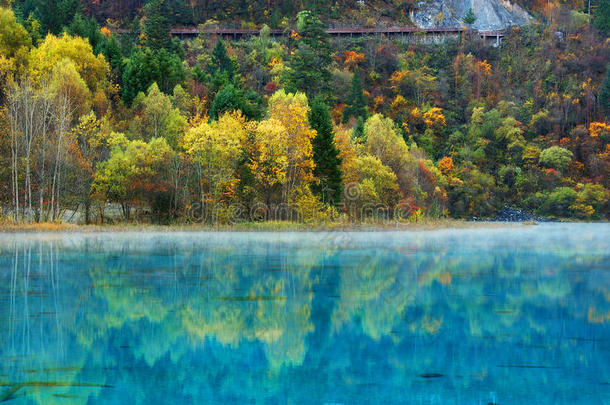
[[238, 32]]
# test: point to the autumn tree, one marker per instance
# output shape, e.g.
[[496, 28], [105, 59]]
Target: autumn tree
[[384, 142], [24, 113], [284, 154], [92, 68], [377, 189], [14, 38], [90, 148], [134, 174], [556, 157], [417, 84], [435, 130], [158, 118], [15, 44], [71, 98], [216, 147], [268, 162]]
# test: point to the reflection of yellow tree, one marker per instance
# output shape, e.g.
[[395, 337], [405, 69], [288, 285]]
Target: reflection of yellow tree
[[284, 324], [274, 309], [266, 298], [228, 304], [373, 292]]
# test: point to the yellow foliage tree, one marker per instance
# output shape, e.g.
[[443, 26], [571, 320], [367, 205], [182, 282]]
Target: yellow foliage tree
[[216, 146], [435, 119], [352, 59], [291, 111], [597, 128], [15, 43], [445, 165], [93, 69], [347, 153], [384, 142]]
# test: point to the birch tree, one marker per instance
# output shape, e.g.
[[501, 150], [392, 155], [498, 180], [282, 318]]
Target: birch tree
[[71, 96], [24, 115]]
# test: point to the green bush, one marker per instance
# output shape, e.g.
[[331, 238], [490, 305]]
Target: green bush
[[556, 157], [557, 203]]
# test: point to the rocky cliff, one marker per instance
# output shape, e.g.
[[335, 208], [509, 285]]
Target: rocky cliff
[[491, 14]]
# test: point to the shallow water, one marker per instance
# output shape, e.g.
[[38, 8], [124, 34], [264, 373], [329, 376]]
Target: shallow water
[[505, 316]]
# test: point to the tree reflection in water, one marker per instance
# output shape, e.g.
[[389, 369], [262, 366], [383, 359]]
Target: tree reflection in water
[[502, 315]]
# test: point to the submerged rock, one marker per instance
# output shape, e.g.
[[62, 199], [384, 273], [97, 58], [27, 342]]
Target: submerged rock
[[431, 375], [491, 14]]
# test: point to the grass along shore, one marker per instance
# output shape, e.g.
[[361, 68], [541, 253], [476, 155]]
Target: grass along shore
[[269, 226]]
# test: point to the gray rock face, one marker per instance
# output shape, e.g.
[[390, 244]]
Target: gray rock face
[[491, 14]]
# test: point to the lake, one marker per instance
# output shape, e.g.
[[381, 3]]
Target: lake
[[517, 315]]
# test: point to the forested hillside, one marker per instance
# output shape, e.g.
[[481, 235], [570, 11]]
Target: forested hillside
[[302, 126], [274, 13]]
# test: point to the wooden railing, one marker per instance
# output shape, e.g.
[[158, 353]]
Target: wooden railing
[[337, 32]]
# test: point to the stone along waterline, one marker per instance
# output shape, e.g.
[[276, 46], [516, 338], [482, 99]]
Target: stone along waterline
[[509, 316]]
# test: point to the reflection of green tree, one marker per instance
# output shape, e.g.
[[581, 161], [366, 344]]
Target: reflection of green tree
[[398, 295]]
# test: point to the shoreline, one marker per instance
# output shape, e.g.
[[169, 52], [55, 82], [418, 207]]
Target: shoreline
[[260, 227]]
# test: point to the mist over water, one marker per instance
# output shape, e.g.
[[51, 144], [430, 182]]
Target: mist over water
[[472, 316]]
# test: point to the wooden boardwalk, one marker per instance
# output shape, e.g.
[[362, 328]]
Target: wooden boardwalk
[[238, 33]]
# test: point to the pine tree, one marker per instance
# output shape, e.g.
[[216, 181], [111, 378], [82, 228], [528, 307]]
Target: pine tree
[[111, 48], [86, 27], [358, 132], [54, 15], [158, 25], [604, 94], [221, 62], [232, 98], [356, 103], [470, 17], [325, 154], [601, 18], [309, 66]]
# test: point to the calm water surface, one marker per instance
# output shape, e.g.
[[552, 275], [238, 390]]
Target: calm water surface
[[500, 316]]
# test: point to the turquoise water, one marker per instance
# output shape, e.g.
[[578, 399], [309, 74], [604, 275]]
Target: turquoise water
[[500, 316]]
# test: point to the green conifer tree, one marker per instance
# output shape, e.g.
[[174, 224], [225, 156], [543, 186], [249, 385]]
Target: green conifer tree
[[358, 131], [54, 15], [157, 25], [601, 18], [604, 94], [356, 103], [309, 66], [470, 18], [325, 154], [221, 62]]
